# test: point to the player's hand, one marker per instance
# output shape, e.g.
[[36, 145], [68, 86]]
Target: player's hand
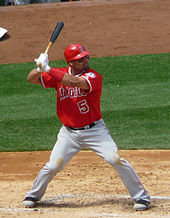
[[42, 63], [42, 60]]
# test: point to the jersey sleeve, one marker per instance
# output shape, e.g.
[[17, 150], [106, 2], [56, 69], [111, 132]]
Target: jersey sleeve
[[94, 80], [47, 81]]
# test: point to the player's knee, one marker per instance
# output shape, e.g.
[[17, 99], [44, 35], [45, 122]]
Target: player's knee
[[56, 167], [113, 159], [116, 158], [60, 164]]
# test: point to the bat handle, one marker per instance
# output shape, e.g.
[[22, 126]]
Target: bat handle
[[46, 52], [48, 47]]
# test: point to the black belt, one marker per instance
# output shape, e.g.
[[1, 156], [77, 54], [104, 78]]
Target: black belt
[[83, 128]]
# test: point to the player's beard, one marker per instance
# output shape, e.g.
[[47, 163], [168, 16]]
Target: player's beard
[[86, 66]]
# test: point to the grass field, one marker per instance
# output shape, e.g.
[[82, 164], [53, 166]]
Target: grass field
[[135, 104]]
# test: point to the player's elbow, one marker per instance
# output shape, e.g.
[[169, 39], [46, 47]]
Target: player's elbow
[[30, 79], [33, 77]]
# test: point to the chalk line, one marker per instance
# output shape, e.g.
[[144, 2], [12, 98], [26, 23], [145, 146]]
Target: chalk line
[[64, 196]]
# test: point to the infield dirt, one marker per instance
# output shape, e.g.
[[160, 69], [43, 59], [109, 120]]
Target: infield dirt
[[88, 186]]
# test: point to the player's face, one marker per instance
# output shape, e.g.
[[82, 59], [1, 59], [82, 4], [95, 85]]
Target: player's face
[[80, 64]]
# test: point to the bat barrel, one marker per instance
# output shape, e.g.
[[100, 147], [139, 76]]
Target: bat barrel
[[57, 31]]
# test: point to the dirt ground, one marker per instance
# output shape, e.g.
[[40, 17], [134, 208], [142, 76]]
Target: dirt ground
[[88, 186], [106, 28]]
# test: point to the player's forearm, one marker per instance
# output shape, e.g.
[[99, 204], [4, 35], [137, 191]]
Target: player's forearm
[[69, 80], [33, 77]]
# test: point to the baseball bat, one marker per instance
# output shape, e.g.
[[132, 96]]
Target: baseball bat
[[54, 36]]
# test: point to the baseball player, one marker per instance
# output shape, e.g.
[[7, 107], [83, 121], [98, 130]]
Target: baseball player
[[79, 91]]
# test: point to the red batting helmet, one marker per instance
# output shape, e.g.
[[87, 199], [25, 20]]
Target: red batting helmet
[[74, 52]]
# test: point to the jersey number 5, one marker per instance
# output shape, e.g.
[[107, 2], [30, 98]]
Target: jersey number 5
[[83, 107]]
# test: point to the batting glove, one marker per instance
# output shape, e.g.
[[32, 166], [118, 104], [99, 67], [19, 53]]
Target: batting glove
[[42, 63]]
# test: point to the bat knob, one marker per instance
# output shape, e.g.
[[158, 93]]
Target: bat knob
[[39, 65]]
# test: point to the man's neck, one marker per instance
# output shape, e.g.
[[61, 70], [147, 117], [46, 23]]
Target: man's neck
[[76, 72]]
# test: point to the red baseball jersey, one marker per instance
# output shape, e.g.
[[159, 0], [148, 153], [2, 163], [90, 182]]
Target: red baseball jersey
[[77, 107]]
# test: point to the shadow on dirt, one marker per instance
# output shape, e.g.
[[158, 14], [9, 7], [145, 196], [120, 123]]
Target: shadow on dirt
[[80, 203], [5, 37]]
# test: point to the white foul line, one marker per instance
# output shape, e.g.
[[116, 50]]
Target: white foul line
[[113, 215], [19, 209], [64, 196]]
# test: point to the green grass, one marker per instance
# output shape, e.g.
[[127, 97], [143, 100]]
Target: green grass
[[134, 104]]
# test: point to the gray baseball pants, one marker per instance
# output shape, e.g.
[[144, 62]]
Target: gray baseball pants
[[99, 140]]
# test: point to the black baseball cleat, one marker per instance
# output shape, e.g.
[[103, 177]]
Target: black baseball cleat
[[29, 202], [141, 205]]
